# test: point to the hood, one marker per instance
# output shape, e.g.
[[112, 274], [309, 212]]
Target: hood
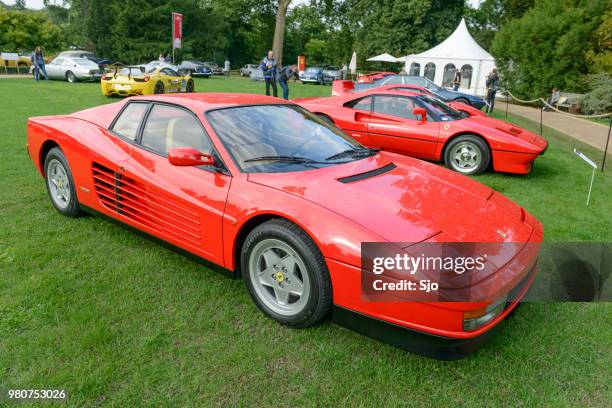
[[521, 137], [405, 200]]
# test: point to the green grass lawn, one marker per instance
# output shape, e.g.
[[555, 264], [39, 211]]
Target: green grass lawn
[[117, 320]]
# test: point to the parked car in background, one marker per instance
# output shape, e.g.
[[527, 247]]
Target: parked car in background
[[316, 75], [216, 69], [85, 54], [372, 77], [257, 74], [196, 68], [136, 80], [24, 61], [73, 69], [418, 125], [247, 69], [333, 72], [442, 93]]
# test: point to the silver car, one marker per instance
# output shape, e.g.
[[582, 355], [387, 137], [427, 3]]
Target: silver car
[[247, 69], [73, 69]]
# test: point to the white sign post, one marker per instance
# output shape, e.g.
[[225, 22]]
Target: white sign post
[[593, 165]]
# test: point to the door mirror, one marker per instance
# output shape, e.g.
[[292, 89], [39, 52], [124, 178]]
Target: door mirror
[[420, 112], [188, 156]]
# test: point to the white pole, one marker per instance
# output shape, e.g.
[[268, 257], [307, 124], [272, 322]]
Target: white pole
[[590, 187]]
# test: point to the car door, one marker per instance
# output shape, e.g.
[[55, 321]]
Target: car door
[[392, 126], [54, 68], [181, 205]]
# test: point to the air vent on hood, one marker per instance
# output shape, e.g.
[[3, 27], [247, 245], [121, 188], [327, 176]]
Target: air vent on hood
[[367, 174]]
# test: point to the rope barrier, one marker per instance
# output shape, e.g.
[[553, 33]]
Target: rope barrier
[[603, 115]]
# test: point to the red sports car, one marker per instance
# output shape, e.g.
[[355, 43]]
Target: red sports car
[[372, 77], [261, 188], [419, 125]]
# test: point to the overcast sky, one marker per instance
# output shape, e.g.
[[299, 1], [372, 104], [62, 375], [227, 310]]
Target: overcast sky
[[36, 4]]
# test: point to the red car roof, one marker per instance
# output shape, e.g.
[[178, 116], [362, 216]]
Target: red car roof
[[206, 101]]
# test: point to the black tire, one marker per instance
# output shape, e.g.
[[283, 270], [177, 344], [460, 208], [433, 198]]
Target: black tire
[[70, 77], [326, 118], [319, 302], [159, 88], [476, 145], [463, 100], [190, 86], [320, 81], [69, 208]]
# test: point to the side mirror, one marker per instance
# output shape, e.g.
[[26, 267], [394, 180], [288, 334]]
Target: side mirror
[[420, 112], [188, 156]]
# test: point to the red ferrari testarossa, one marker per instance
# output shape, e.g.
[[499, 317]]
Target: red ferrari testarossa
[[263, 189], [397, 119]]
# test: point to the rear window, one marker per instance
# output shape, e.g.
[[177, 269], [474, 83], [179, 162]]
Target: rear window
[[128, 122]]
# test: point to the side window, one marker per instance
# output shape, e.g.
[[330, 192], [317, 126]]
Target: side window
[[168, 127], [395, 106], [127, 124], [58, 61], [363, 104], [393, 80], [169, 71]]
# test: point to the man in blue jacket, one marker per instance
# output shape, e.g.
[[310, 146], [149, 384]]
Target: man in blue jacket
[[268, 66], [284, 75]]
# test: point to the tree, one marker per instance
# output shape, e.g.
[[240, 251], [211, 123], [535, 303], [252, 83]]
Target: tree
[[22, 30], [487, 19], [279, 29], [546, 47], [20, 4]]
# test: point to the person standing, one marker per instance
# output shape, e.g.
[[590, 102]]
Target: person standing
[[226, 68], [456, 80], [284, 74], [268, 66], [553, 100], [38, 60], [492, 85]]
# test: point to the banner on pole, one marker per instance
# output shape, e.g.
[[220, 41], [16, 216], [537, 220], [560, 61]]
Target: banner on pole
[[177, 30]]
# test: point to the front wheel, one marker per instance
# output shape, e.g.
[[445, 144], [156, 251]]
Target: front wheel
[[60, 184], [159, 88], [286, 275], [190, 86], [467, 154], [463, 100]]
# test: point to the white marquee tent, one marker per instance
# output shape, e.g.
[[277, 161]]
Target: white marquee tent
[[384, 58], [458, 51]]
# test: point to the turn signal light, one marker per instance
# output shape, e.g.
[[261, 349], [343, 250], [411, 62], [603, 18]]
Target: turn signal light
[[474, 319]]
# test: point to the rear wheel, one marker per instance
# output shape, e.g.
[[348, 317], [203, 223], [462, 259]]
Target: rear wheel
[[60, 184], [70, 77], [286, 275], [467, 154], [159, 88], [190, 86]]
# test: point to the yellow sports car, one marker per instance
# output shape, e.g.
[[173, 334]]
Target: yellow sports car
[[137, 80]]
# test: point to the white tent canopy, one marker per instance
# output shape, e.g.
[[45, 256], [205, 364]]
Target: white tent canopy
[[383, 58], [353, 63], [459, 51]]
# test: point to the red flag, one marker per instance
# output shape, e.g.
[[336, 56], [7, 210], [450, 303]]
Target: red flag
[[177, 30]]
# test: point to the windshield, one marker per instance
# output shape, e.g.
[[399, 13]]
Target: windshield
[[281, 138], [312, 70], [441, 109]]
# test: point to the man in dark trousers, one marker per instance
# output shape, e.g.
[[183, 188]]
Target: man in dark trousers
[[492, 85], [284, 74], [268, 66], [456, 80]]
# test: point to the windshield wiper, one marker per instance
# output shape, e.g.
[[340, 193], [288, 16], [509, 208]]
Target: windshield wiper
[[358, 152], [287, 159]]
